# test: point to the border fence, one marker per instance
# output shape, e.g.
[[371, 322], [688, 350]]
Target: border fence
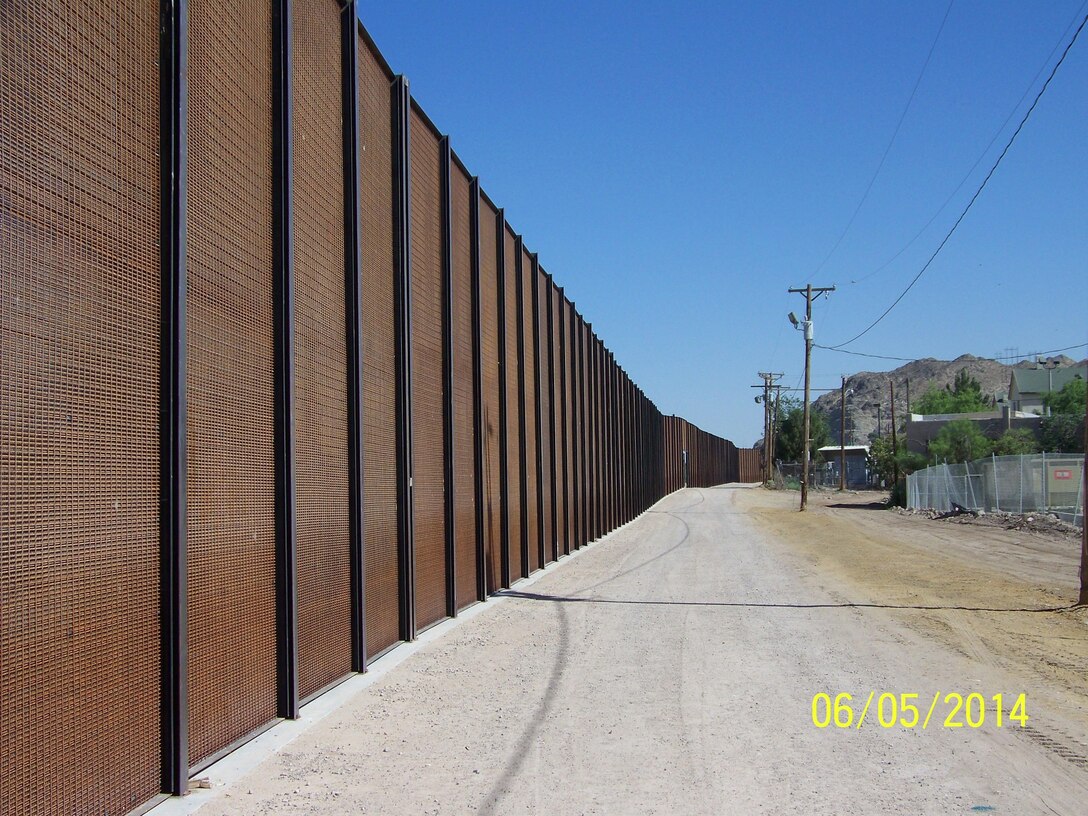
[[280, 387], [1038, 482]]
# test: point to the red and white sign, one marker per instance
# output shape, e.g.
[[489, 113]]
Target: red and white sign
[[1063, 474]]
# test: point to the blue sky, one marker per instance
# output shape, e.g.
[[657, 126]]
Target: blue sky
[[679, 166]]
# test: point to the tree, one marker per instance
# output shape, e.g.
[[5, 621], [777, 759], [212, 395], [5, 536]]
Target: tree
[[883, 461], [1061, 433], [960, 441], [1070, 400], [1015, 442], [882, 457], [789, 444], [962, 397], [783, 405]]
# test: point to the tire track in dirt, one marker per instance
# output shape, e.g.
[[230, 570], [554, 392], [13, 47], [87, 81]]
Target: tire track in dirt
[[526, 742]]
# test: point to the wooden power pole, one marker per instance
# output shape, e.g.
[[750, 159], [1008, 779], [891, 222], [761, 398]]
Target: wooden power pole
[[806, 326], [768, 378], [895, 450], [1084, 514], [842, 435]]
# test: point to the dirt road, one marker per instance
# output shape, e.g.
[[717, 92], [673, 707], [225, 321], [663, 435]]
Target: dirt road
[[672, 669]]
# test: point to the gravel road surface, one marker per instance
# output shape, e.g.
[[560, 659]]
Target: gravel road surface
[[671, 669]]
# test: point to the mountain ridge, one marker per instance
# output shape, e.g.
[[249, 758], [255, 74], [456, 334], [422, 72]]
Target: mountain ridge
[[868, 389]]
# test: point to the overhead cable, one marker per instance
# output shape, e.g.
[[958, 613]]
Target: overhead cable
[[974, 198]]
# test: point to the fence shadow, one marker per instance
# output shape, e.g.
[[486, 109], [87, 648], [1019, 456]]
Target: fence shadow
[[534, 596]]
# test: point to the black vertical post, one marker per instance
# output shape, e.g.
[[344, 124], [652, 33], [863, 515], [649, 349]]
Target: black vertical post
[[583, 450], [554, 433], [354, 292], [402, 224], [613, 424], [447, 374], [523, 471], [621, 447], [534, 272], [504, 466], [639, 420], [615, 419], [594, 433], [634, 440], [284, 296], [625, 437], [479, 431], [598, 380], [608, 372], [591, 438], [605, 429], [639, 441], [630, 447], [574, 422], [609, 428], [173, 101], [568, 506], [621, 438]]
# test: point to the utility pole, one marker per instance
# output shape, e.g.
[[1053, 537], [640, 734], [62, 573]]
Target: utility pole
[[807, 327], [1084, 524], [895, 450], [774, 423], [769, 378], [842, 435]]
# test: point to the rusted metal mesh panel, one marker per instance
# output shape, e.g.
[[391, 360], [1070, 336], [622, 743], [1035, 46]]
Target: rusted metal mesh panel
[[677, 455], [490, 364], [585, 453], [559, 426], [617, 413], [612, 426], [379, 355], [320, 335], [79, 406], [231, 479], [573, 428], [671, 453], [514, 463], [464, 431], [622, 440], [629, 442], [531, 426], [609, 409], [586, 388], [624, 445], [428, 438], [634, 440], [544, 356]]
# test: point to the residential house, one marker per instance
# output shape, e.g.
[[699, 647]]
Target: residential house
[[1028, 386]]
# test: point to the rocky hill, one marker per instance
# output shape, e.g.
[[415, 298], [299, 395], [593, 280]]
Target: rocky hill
[[866, 390]]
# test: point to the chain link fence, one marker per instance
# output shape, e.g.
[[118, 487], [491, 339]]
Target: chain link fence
[[1041, 482]]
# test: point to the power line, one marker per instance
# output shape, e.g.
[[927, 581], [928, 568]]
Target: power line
[[913, 359], [974, 198], [981, 156], [887, 150]]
